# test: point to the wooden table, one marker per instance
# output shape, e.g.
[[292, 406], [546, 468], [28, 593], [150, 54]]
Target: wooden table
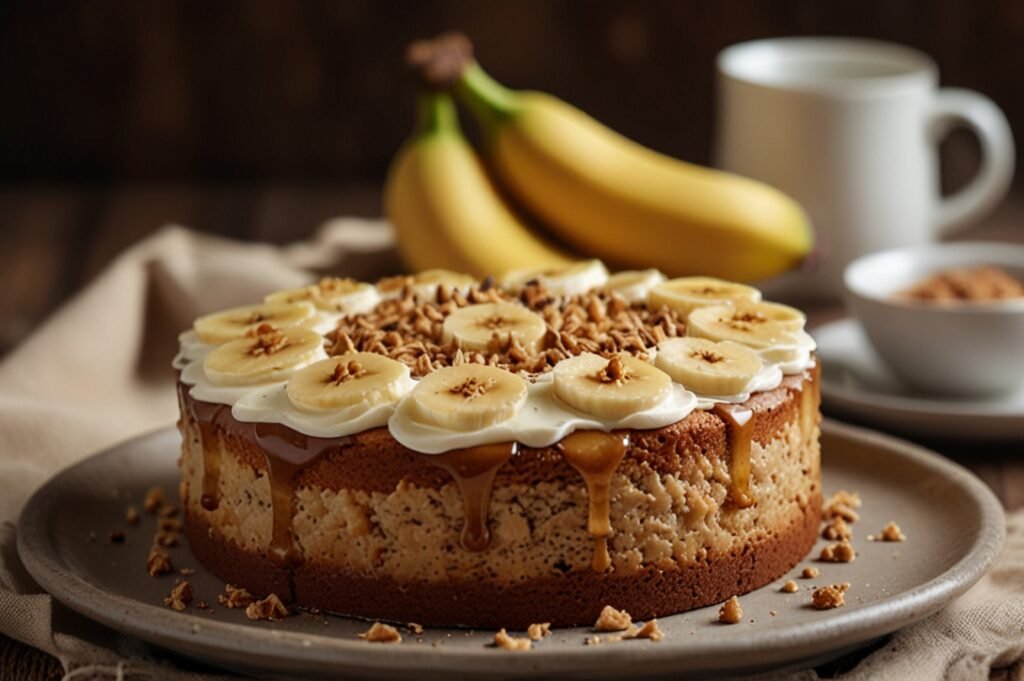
[[55, 239]]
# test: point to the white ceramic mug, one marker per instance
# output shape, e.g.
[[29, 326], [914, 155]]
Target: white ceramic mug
[[850, 128]]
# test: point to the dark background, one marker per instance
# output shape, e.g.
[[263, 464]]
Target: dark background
[[261, 119]]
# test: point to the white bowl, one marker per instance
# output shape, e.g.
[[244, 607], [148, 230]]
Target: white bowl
[[966, 349]]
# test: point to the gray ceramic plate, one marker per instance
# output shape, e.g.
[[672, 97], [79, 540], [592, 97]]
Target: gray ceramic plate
[[856, 383], [953, 523]]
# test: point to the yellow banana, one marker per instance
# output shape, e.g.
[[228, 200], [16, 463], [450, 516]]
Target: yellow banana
[[445, 209], [612, 198]]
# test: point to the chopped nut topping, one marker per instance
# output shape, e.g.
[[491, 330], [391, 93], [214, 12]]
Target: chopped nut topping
[[790, 587], [472, 388], [159, 562], [810, 572], [611, 619], [837, 530], [505, 642], [235, 597], [842, 505], [708, 356], [154, 500], [614, 371], [828, 597], [731, 611], [838, 553], [131, 515], [381, 633], [650, 630], [267, 340], [536, 632], [269, 608], [116, 537], [891, 532], [346, 371], [181, 596]]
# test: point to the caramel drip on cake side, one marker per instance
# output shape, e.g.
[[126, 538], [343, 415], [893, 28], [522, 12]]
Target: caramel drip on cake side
[[739, 433], [207, 416], [596, 455], [287, 452], [473, 470]]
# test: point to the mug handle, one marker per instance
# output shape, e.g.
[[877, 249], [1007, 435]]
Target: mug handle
[[956, 106]]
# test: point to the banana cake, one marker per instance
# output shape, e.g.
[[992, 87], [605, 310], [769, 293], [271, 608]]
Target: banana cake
[[448, 451]]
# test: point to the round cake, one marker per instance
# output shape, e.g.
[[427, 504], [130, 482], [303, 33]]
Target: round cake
[[438, 450]]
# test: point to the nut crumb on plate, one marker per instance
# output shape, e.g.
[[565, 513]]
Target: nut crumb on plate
[[154, 500], [891, 532], [181, 596], [159, 562], [837, 530], [650, 630], [414, 628], [505, 642], [838, 553], [810, 572], [131, 515], [790, 587], [235, 597], [731, 611], [611, 619], [270, 608], [842, 505], [828, 597], [381, 633], [536, 632]]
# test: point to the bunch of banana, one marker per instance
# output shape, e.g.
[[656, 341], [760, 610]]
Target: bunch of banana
[[595, 190], [445, 208]]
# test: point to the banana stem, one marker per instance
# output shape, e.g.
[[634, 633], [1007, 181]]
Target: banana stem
[[490, 101], [435, 112]]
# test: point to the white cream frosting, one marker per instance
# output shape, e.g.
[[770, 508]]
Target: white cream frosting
[[543, 420]]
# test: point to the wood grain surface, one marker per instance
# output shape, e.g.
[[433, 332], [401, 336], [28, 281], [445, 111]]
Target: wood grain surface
[[55, 239]]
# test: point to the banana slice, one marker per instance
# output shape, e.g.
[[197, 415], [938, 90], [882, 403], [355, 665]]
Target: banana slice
[[564, 281], [490, 327], [707, 367], [467, 397], [332, 294], [790, 317], [266, 355], [610, 388], [633, 285], [355, 378], [686, 294], [755, 325], [425, 284], [221, 327]]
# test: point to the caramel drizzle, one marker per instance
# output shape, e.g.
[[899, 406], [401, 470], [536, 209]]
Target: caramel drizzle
[[473, 470], [207, 415], [596, 456], [287, 452], [739, 432]]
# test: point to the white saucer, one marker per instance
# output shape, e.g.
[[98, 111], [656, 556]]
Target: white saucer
[[856, 382]]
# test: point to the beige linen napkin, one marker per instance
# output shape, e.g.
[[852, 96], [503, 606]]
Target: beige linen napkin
[[98, 372]]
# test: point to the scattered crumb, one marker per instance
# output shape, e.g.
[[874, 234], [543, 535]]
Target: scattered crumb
[[536, 632], [381, 633], [838, 553], [131, 515], [159, 562], [269, 608], [890, 532], [773, 613], [592, 641], [837, 530], [186, 571], [154, 500], [235, 597], [166, 539], [170, 525], [116, 537], [414, 628], [181, 596], [828, 597], [168, 511], [650, 630], [790, 587], [505, 642], [203, 605], [611, 619], [810, 572], [731, 612], [842, 505]]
